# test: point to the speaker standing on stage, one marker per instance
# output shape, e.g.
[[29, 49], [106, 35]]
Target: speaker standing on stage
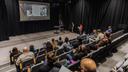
[[81, 27]]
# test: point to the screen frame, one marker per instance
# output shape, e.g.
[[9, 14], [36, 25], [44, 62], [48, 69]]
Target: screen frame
[[35, 18]]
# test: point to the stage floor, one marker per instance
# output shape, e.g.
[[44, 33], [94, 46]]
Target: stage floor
[[36, 39]]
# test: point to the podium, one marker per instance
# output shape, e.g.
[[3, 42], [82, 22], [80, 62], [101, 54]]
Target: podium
[[59, 29]]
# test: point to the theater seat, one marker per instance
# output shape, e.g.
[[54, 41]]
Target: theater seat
[[59, 51], [40, 58], [36, 67]]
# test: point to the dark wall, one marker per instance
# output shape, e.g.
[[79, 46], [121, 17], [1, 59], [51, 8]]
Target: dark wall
[[17, 27], [91, 13], [3, 22], [98, 13]]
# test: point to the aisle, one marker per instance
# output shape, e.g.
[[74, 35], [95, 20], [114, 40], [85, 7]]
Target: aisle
[[111, 61]]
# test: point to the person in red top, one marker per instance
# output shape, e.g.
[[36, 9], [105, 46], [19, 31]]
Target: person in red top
[[81, 27]]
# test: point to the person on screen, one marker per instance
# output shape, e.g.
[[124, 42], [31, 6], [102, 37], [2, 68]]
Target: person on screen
[[29, 13]]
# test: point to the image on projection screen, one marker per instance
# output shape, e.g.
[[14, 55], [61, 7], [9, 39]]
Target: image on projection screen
[[34, 11]]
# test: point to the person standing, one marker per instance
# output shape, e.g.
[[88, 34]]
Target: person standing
[[81, 28]]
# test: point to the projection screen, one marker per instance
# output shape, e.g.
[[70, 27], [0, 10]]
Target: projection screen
[[34, 11]]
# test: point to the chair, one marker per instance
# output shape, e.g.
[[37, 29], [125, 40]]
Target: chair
[[36, 67], [24, 66], [40, 58], [59, 52], [41, 52]]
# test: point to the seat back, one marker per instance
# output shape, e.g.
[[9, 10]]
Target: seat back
[[40, 58], [117, 34], [59, 51], [41, 52], [36, 67], [28, 63]]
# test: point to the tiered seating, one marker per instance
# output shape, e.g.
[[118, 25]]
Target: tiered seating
[[101, 52], [61, 54]]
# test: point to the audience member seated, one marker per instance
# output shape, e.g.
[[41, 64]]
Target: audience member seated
[[32, 49], [79, 52], [109, 30], [54, 44], [49, 46], [67, 44], [82, 50], [14, 52], [101, 39], [25, 56], [94, 33], [108, 33], [49, 66], [60, 41], [88, 65]]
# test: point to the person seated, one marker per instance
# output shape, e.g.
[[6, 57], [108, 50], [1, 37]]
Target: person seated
[[25, 56], [60, 41], [109, 30], [101, 39], [108, 33], [32, 49], [49, 66], [49, 46], [88, 65], [94, 33], [66, 44], [54, 44], [80, 52], [13, 53]]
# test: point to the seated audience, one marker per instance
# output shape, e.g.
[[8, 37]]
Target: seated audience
[[100, 35], [60, 41], [14, 52], [54, 44], [49, 46], [66, 44], [32, 49], [101, 39], [88, 65], [109, 30], [80, 52], [49, 66], [94, 33], [108, 33], [25, 56]]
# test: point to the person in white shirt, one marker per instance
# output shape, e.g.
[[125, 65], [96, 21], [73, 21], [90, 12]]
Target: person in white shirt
[[101, 39], [67, 44]]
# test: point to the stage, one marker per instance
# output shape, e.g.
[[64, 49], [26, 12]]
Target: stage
[[36, 39]]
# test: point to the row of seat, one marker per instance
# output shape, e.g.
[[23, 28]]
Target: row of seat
[[101, 53], [60, 53]]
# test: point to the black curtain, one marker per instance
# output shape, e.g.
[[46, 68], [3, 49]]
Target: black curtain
[[3, 21], [17, 27], [96, 14]]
